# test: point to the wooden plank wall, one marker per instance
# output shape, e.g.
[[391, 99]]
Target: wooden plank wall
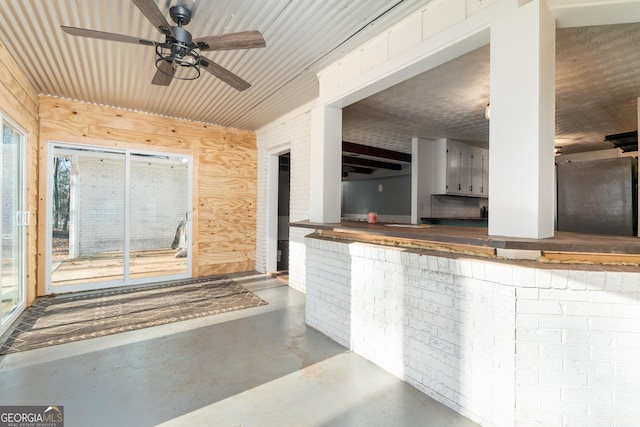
[[19, 101], [225, 173]]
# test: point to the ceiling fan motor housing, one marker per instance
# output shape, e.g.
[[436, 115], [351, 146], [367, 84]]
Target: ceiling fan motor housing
[[180, 15], [181, 35]]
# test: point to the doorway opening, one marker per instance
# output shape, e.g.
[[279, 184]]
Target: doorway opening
[[284, 196], [116, 217]]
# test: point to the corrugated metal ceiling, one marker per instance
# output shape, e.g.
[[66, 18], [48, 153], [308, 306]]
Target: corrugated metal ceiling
[[302, 37]]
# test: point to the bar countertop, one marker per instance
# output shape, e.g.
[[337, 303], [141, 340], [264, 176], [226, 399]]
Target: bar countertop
[[479, 237]]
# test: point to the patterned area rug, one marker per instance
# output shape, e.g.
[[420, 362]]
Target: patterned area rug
[[59, 320]]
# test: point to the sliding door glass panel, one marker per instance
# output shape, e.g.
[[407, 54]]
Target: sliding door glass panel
[[158, 215], [14, 218], [117, 218], [87, 217]]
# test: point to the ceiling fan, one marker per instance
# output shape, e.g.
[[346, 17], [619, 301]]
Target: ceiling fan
[[176, 57]]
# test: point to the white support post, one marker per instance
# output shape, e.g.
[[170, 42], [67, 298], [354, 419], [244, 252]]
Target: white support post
[[522, 123], [326, 164]]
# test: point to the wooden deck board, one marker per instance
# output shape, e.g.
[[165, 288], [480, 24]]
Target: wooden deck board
[[110, 266]]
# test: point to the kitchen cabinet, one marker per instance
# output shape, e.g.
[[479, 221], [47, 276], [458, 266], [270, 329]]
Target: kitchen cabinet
[[479, 172], [454, 179], [460, 169]]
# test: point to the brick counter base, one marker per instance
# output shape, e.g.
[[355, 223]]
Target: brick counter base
[[502, 343]]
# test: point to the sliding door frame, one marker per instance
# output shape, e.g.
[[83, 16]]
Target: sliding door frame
[[22, 216], [127, 280]]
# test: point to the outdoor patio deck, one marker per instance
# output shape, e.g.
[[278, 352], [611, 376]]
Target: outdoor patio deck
[[110, 266]]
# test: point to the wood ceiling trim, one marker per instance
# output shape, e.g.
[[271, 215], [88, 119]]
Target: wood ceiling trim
[[367, 150], [376, 164]]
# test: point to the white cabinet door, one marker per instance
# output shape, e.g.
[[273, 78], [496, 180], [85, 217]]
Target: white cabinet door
[[464, 169], [480, 172], [484, 189], [454, 167], [467, 169]]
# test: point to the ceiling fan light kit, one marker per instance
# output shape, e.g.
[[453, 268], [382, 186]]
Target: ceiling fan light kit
[[177, 62], [177, 57]]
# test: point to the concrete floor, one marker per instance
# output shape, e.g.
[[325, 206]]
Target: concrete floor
[[256, 367]]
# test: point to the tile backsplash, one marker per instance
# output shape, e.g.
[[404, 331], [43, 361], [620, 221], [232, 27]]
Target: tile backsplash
[[444, 206]]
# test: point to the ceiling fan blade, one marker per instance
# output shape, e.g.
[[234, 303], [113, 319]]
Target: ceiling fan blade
[[82, 32], [164, 74], [242, 40], [150, 10], [225, 75]]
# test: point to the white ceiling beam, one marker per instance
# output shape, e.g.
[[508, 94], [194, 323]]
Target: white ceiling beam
[[570, 13]]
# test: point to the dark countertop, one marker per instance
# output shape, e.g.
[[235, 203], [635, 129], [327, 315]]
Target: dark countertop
[[470, 221], [470, 218], [478, 236]]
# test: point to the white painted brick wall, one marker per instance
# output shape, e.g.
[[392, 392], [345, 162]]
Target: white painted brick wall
[[293, 133], [500, 343], [159, 201], [587, 355], [450, 336], [100, 206], [332, 318]]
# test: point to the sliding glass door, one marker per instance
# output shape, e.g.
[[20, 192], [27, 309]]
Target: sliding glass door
[[114, 216], [158, 215], [13, 227], [87, 211]]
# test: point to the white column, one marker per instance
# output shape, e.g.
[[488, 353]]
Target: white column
[[325, 164], [421, 178], [522, 127]]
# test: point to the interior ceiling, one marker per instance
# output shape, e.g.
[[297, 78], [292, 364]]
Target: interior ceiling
[[597, 69]]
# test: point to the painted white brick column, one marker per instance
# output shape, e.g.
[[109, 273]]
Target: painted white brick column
[[326, 164], [522, 122]]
